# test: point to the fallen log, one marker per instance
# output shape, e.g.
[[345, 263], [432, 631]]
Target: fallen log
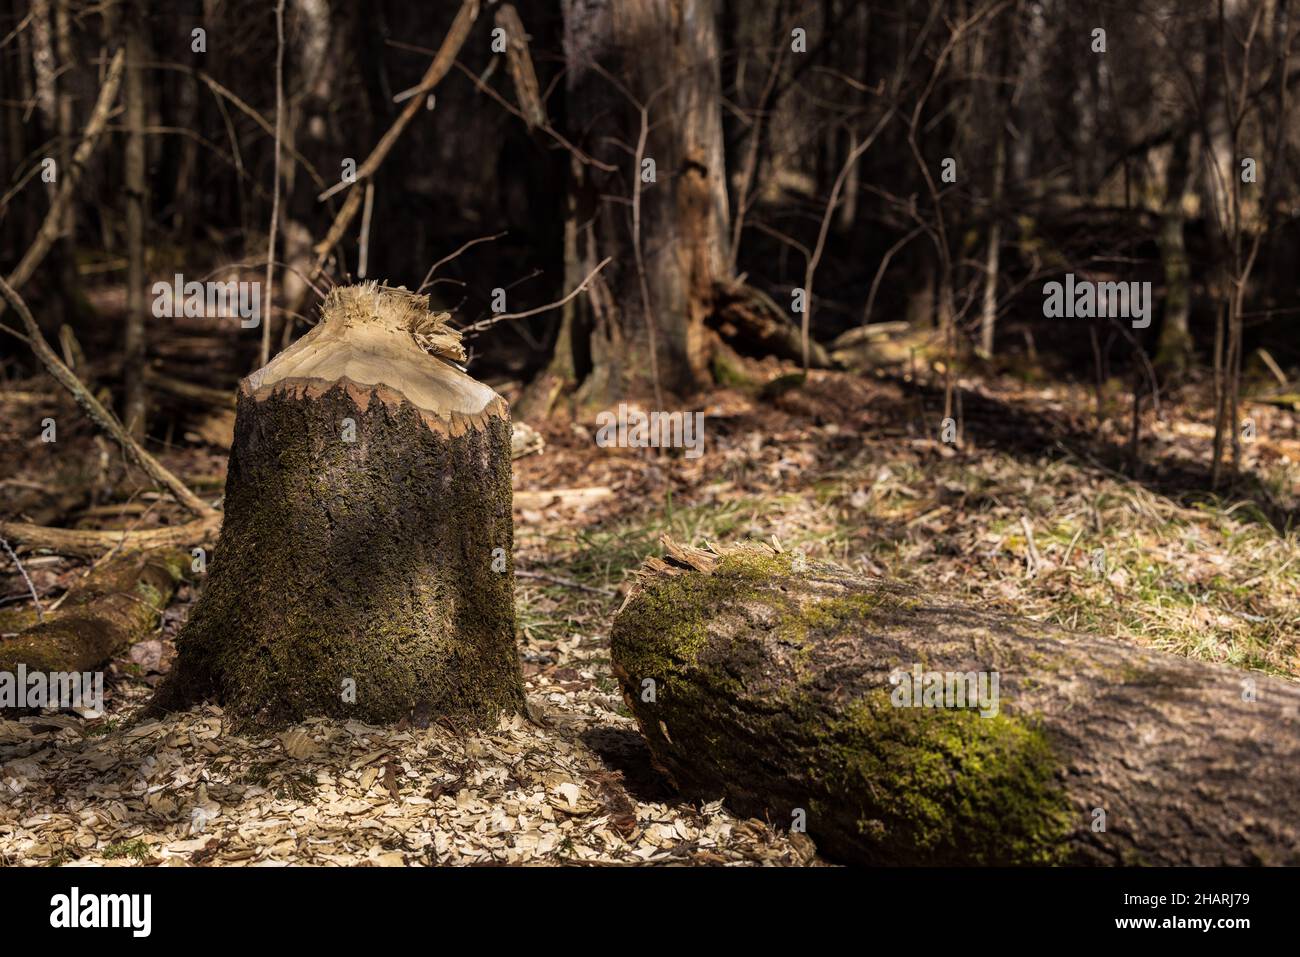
[[88, 543], [908, 730], [364, 564], [751, 323], [115, 606]]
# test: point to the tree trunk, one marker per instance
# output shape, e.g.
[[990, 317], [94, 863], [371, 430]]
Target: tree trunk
[[1175, 347], [667, 235], [989, 307], [76, 308], [364, 567], [781, 688], [133, 408]]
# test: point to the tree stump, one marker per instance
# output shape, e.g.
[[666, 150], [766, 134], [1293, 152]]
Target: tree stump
[[364, 566], [808, 694]]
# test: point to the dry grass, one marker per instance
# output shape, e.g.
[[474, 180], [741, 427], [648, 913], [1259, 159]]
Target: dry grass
[[844, 469]]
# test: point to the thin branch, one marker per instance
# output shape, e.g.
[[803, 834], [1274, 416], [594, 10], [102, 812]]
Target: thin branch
[[363, 253], [488, 323], [54, 218], [831, 203], [36, 600], [428, 277], [265, 355], [584, 158], [101, 416]]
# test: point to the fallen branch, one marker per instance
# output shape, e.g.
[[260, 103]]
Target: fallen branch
[[101, 416], [563, 497], [93, 544], [752, 323], [180, 388]]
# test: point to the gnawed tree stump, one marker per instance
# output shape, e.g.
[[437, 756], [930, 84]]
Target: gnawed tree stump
[[766, 681], [364, 566]]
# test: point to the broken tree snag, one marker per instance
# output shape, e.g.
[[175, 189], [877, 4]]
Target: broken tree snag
[[788, 686], [115, 606], [364, 564]]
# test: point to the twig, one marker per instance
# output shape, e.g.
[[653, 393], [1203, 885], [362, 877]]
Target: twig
[[363, 255], [488, 323], [40, 612], [566, 582], [220, 92], [831, 203], [428, 277], [548, 129], [101, 416], [265, 355], [643, 282], [1033, 561]]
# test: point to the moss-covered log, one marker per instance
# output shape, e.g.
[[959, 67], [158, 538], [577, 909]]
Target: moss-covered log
[[364, 564], [788, 687], [113, 607]]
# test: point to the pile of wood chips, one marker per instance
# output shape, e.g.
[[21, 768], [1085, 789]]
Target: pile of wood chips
[[185, 791]]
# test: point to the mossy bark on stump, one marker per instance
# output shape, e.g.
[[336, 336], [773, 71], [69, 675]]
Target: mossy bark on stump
[[768, 684], [364, 566]]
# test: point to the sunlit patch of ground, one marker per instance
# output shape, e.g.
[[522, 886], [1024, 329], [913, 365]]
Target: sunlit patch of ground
[[846, 468]]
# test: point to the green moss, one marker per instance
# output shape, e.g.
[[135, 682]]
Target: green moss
[[829, 614], [673, 613], [137, 849], [15, 620], [356, 580], [946, 785], [729, 373]]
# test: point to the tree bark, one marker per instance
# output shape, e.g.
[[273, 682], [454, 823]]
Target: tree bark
[[643, 84], [69, 178], [364, 565], [1174, 351], [779, 688], [133, 406]]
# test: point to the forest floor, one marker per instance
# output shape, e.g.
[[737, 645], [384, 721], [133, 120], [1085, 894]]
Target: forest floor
[[1029, 514]]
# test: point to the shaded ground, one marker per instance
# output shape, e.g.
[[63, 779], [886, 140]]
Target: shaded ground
[[845, 467]]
